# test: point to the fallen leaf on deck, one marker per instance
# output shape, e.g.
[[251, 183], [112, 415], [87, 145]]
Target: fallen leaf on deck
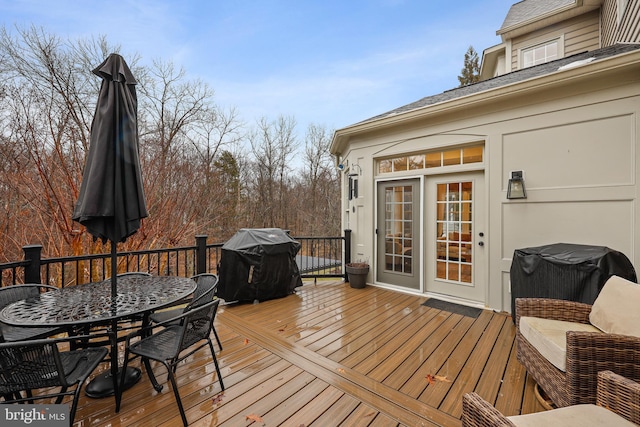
[[282, 329], [217, 399], [246, 341], [254, 418], [341, 370], [433, 378]]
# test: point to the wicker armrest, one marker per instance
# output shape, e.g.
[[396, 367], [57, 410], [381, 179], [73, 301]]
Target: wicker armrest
[[555, 309], [597, 346], [620, 395], [591, 352], [477, 412]]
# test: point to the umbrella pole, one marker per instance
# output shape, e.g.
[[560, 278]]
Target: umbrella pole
[[114, 271], [114, 324]]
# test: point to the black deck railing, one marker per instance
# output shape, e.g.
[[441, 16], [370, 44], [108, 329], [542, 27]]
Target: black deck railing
[[318, 257]]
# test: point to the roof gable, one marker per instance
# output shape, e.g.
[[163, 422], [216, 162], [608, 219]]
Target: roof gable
[[528, 10]]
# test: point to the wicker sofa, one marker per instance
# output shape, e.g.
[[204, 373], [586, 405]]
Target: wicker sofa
[[617, 394], [587, 352]]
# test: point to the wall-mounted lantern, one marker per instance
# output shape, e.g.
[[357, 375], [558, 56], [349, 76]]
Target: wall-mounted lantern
[[353, 186], [516, 189]]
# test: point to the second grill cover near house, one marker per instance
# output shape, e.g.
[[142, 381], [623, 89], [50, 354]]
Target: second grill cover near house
[[565, 271], [258, 264]]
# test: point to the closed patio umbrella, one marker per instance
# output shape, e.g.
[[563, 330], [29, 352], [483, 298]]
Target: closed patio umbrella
[[111, 201]]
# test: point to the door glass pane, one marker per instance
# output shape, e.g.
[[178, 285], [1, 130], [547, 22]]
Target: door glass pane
[[398, 229], [454, 227]]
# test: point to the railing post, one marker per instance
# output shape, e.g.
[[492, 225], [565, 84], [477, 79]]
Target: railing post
[[33, 254], [347, 251], [201, 253]]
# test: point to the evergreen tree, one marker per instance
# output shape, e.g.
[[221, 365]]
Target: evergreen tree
[[471, 71]]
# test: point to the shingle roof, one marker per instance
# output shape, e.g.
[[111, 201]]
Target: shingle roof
[[530, 9], [513, 77]]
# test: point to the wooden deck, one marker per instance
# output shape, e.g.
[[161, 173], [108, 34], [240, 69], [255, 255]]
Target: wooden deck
[[335, 356]]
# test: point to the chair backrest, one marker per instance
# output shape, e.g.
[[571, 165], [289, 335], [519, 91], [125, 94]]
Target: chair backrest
[[197, 323], [29, 365], [206, 285], [11, 294]]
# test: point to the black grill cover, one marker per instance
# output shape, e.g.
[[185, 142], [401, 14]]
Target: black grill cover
[[565, 271], [258, 264]]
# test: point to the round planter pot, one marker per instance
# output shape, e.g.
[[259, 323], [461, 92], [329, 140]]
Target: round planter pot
[[357, 276]]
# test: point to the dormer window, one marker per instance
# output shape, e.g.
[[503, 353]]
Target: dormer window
[[540, 53]]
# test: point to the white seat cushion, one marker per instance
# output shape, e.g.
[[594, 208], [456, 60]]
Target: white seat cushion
[[616, 310], [572, 416], [549, 337]]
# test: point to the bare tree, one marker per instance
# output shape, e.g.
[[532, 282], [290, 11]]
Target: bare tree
[[202, 172], [319, 190], [46, 115], [171, 110], [215, 167], [273, 148], [47, 102]]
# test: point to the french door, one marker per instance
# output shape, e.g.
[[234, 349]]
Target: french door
[[398, 233], [454, 223]]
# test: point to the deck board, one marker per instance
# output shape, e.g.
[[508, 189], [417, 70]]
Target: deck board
[[332, 355]]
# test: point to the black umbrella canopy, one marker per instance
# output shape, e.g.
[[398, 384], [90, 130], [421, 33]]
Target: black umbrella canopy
[[111, 201]]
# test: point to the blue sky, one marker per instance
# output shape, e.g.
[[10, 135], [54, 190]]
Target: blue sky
[[329, 62]]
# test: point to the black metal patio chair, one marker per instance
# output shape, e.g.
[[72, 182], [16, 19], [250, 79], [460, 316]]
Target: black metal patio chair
[[26, 366], [207, 284], [11, 294], [167, 345]]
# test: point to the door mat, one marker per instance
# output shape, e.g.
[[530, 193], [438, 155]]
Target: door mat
[[453, 308]]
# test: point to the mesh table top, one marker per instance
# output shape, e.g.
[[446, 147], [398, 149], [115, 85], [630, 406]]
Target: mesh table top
[[92, 302]]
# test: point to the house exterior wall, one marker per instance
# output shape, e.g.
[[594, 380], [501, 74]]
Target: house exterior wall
[[629, 31], [620, 25], [577, 144], [580, 166], [575, 133], [609, 22], [578, 34]]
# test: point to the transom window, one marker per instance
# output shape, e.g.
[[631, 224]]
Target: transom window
[[432, 159], [540, 54]]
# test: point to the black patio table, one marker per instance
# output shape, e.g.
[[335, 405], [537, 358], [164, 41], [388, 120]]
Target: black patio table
[[91, 304]]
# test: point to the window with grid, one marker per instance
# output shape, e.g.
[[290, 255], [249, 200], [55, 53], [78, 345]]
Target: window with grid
[[540, 54]]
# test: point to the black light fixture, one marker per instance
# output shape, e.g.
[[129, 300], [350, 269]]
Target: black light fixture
[[353, 186], [516, 189]]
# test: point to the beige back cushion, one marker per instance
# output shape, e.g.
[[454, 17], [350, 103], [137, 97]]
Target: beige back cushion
[[616, 310]]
